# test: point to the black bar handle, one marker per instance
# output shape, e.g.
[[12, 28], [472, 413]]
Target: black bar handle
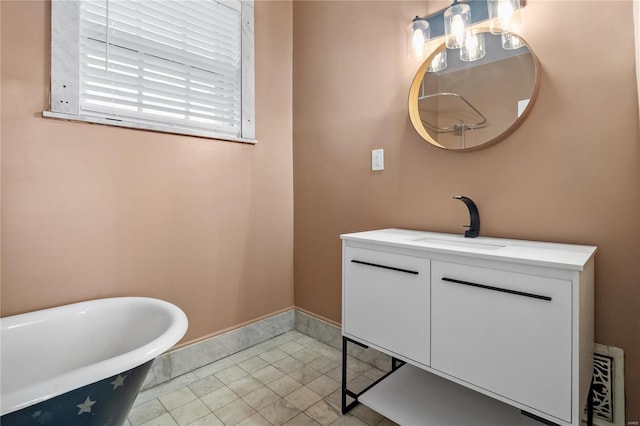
[[504, 290], [408, 271]]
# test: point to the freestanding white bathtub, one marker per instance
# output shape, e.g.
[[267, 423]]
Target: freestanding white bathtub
[[82, 363]]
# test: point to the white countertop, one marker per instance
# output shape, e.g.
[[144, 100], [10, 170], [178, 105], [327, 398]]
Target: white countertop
[[565, 256]]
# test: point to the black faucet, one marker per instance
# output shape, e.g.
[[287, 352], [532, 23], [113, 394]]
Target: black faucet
[[474, 227]]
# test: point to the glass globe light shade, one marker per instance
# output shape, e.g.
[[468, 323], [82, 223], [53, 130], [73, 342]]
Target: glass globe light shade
[[456, 20], [418, 34], [473, 47]]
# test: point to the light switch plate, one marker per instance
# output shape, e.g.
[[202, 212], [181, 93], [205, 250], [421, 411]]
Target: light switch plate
[[377, 159]]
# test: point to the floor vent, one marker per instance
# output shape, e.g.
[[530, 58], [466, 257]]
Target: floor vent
[[608, 386]]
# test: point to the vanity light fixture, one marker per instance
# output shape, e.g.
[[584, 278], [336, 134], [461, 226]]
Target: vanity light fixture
[[503, 16], [418, 34], [454, 21], [511, 41], [473, 47], [439, 62]]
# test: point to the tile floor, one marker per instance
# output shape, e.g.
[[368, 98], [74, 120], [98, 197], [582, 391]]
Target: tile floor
[[289, 380]]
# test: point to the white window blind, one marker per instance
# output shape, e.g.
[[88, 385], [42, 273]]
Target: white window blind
[[162, 64]]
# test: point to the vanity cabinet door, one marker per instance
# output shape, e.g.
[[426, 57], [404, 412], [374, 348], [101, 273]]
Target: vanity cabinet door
[[505, 332], [386, 301]]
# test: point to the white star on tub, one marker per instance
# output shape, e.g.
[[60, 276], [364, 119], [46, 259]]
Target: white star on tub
[[85, 407], [119, 381]]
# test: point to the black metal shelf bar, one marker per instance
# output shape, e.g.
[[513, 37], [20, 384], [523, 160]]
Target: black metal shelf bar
[[395, 364]]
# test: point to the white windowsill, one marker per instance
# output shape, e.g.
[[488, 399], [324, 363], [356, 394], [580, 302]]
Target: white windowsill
[[143, 126]]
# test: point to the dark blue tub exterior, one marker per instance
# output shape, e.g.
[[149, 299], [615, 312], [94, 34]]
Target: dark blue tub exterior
[[103, 403]]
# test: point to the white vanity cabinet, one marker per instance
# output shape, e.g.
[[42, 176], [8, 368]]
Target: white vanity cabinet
[[507, 323], [383, 283], [512, 336]]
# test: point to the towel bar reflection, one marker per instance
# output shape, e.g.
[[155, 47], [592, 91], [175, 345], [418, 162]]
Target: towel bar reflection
[[460, 126]]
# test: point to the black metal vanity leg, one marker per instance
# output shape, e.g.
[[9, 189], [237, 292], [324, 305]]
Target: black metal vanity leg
[[345, 391], [396, 363], [344, 375]]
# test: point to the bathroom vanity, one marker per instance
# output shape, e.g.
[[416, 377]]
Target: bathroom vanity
[[487, 329]]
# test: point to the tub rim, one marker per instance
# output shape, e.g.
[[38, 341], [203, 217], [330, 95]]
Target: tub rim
[[29, 395]]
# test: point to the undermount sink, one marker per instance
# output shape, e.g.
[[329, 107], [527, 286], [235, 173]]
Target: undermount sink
[[454, 243]]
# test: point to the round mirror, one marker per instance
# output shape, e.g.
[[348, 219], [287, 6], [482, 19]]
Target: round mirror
[[464, 99]]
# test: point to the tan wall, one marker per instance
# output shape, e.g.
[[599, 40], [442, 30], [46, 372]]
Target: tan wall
[[570, 173], [92, 211]]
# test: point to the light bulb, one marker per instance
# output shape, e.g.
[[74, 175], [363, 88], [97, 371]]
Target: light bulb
[[418, 35], [473, 47], [505, 14], [439, 62], [457, 29], [417, 43], [471, 43], [457, 19]]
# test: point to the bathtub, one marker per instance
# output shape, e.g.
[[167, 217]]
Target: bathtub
[[82, 363]]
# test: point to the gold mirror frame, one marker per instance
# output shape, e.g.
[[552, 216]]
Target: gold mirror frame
[[414, 93]]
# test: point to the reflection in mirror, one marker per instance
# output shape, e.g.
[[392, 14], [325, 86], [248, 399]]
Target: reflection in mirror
[[462, 103]]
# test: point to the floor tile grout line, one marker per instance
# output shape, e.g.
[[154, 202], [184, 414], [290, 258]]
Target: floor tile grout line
[[309, 351], [169, 383]]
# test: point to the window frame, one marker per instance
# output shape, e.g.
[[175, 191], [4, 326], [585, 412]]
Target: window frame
[[65, 76]]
